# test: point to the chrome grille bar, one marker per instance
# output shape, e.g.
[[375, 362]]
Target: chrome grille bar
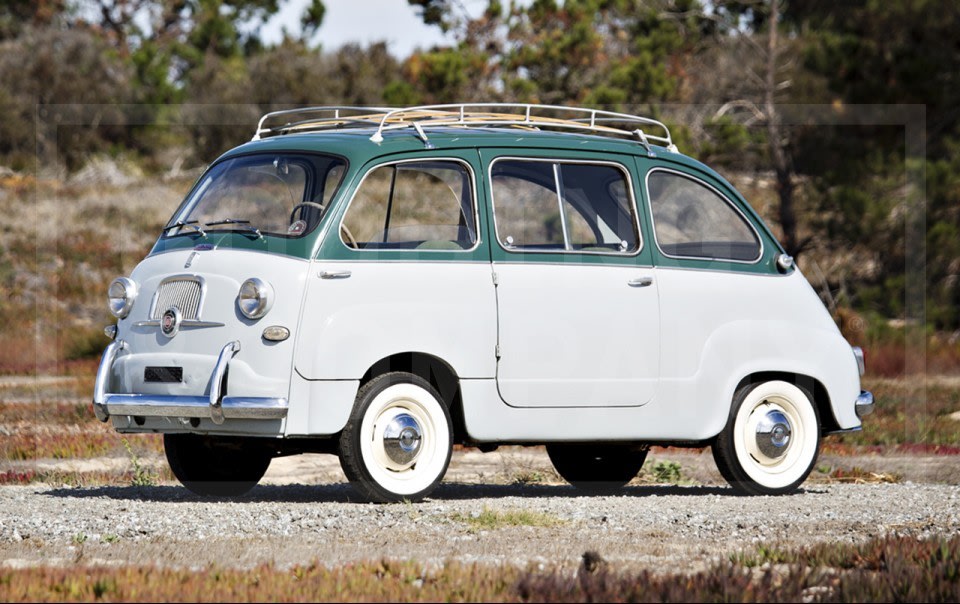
[[185, 294]]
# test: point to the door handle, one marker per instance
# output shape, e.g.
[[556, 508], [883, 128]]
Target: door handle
[[640, 282], [334, 274]]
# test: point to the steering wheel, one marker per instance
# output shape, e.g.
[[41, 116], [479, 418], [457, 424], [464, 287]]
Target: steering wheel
[[351, 240], [311, 204]]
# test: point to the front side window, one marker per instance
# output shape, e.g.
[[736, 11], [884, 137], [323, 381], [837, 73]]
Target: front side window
[[423, 205], [691, 220], [563, 206], [274, 194]]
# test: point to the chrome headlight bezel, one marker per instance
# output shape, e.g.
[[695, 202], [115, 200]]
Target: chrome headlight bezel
[[255, 298], [121, 294]]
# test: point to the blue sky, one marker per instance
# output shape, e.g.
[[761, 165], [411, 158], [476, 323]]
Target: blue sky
[[363, 21]]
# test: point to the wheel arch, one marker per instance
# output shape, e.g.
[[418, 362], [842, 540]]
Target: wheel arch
[[821, 397], [440, 374]]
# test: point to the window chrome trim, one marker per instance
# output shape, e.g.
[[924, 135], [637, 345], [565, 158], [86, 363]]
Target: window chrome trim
[[635, 210], [179, 277], [653, 221], [473, 192]]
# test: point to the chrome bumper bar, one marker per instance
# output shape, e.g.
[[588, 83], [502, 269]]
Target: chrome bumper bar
[[214, 406], [864, 403]]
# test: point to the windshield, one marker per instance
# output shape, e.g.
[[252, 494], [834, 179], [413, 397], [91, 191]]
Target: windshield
[[276, 194]]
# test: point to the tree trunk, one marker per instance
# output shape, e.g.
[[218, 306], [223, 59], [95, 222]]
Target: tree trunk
[[778, 155]]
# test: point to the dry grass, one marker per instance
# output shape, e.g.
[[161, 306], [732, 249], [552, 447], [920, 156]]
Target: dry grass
[[911, 415], [886, 569]]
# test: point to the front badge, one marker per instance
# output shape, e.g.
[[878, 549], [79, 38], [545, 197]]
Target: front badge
[[170, 322]]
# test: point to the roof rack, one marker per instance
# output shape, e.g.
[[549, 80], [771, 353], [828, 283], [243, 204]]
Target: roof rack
[[333, 116], [529, 116]]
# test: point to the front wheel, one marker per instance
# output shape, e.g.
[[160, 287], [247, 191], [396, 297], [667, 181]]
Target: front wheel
[[397, 443], [596, 468], [216, 466], [771, 439]]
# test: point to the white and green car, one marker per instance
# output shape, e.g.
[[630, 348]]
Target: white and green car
[[381, 284]]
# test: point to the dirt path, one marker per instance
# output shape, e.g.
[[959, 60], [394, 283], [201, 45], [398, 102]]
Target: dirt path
[[303, 513]]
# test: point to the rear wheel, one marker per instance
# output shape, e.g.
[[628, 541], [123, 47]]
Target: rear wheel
[[397, 443], [596, 467], [771, 440], [216, 466]]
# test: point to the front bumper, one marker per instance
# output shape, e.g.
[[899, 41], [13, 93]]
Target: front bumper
[[214, 406], [864, 404]]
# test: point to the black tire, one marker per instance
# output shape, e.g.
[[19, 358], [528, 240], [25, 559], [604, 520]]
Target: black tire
[[216, 466], [596, 468], [755, 460], [385, 456]]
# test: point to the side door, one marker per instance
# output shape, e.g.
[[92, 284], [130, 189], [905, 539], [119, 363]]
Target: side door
[[577, 302], [402, 268]]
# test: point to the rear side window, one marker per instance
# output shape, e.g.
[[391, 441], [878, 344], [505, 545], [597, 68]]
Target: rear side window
[[692, 220], [563, 207], [424, 205]]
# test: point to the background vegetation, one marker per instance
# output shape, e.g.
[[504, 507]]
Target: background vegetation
[[891, 569], [839, 122]]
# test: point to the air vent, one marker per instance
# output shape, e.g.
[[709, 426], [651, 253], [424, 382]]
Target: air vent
[[185, 294]]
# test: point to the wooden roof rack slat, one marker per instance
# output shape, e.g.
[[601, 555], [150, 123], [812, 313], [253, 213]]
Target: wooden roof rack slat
[[467, 115]]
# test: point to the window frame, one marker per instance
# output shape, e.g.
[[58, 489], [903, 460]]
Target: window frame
[[635, 210], [473, 194], [653, 220]]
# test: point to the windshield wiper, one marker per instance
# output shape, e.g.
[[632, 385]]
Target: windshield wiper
[[193, 224], [240, 223]]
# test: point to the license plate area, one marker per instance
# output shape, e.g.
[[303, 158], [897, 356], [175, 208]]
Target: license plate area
[[163, 375]]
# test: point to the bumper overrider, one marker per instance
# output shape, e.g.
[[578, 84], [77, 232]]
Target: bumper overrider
[[864, 403], [215, 406]]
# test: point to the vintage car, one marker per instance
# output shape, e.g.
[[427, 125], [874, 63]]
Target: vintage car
[[382, 284]]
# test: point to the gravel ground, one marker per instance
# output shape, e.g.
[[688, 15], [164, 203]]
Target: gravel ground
[[659, 527]]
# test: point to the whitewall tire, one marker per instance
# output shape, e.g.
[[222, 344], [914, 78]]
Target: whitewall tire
[[772, 439], [398, 441]]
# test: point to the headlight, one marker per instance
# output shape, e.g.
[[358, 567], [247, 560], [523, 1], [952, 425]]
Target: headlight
[[120, 296], [255, 298]]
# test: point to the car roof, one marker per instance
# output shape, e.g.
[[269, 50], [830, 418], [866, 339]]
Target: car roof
[[354, 144]]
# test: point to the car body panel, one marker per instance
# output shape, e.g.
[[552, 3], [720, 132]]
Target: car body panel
[[658, 363]]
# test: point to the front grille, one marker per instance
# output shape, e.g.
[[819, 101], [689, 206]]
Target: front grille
[[182, 293]]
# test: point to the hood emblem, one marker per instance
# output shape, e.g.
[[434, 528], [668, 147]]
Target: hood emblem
[[190, 259], [170, 321]]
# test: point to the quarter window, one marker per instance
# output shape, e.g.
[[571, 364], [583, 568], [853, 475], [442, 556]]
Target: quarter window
[[692, 220], [417, 205], [563, 206]]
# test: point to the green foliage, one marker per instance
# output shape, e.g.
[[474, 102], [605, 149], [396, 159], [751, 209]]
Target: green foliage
[[667, 471], [764, 554], [84, 343], [489, 520], [141, 477]]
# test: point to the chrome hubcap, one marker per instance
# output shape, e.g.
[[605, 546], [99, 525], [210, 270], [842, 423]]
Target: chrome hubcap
[[402, 438], [773, 434]]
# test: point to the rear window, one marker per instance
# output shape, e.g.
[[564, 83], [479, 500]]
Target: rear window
[[692, 220]]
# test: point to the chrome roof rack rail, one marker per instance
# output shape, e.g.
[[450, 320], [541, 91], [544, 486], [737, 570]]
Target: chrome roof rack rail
[[336, 116], [525, 115], [466, 115]]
